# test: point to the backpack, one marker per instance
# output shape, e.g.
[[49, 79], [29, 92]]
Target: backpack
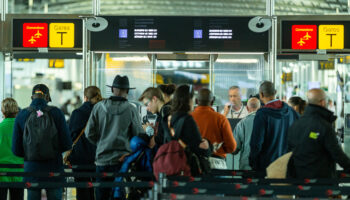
[[40, 137], [171, 158]]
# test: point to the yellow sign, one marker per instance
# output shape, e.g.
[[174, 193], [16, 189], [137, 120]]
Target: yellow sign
[[331, 37], [61, 35], [56, 63]]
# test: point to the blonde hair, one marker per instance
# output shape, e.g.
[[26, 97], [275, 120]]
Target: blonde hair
[[9, 108], [93, 94]]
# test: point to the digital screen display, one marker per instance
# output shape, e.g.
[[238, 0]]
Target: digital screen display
[[179, 34]]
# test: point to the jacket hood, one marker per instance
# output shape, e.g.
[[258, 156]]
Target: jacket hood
[[324, 113], [277, 109], [114, 105]]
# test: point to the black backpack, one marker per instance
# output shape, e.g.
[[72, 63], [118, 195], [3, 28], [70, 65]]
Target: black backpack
[[40, 138]]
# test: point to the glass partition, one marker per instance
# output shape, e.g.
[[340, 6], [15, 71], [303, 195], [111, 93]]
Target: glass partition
[[245, 71], [138, 68], [62, 76], [178, 72]]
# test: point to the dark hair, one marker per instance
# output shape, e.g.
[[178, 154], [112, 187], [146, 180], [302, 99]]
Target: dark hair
[[150, 92], [181, 100], [167, 89], [93, 94], [267, 89], [299, 102]]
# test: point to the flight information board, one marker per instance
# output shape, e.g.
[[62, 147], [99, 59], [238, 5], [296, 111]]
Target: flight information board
[[312, 35], [47, 33], [182, 34]]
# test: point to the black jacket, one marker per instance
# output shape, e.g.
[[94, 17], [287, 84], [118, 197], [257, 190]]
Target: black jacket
[[314, 145], [189, 133], [83, 152]]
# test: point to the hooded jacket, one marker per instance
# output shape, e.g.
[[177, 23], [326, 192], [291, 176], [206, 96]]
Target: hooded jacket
[[315, 146], [269, 136], [112, 123]]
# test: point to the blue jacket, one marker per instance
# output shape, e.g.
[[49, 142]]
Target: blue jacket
[[138, 146], [55, 165], [83, 152], [269, 136]]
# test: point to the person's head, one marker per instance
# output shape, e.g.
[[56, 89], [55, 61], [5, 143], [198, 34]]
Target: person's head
[[317, 96], [267, 91], [253, 104], [152, 98], [234, 95], [297, 103], [183, 99], [205, 97], [120, 86], [167, 90], [41, 91], [9, 108], [92, 94]]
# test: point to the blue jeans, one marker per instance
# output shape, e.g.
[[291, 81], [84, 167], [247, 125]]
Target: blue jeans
[[51, 193], [105, 193]]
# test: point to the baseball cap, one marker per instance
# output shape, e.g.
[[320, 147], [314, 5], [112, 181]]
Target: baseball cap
[[41, 89]]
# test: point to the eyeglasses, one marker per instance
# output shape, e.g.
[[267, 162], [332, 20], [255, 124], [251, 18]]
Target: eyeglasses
[[147, 103]]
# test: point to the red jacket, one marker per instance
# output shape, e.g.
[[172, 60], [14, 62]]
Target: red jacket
[[216, 128]]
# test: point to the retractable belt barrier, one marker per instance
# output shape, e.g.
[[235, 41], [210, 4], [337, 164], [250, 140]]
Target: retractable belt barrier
[[219, 182]]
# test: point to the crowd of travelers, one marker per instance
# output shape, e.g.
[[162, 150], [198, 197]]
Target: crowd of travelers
[[109, 134]]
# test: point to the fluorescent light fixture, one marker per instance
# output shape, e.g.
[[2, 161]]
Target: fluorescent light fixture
[[227, 60], [131, 59]]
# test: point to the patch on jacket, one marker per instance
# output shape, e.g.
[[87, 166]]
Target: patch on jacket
[[313, 135]]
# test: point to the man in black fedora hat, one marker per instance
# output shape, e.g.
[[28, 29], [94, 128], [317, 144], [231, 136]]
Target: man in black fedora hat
[[112, 123]]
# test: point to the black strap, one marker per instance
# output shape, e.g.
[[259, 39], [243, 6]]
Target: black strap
[[46, 108]]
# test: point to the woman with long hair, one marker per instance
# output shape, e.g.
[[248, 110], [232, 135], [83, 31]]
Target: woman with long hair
[[84, 152], [182, 105]]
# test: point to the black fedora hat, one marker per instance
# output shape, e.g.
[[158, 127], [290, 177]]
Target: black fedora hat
[[121, 82]]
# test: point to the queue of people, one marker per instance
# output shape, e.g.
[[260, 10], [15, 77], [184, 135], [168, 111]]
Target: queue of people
[[104, 132]]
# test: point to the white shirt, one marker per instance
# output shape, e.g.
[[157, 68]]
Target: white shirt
[[242, 113]]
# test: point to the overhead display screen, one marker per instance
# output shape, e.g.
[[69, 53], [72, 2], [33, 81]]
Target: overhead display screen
[[312, 35], [47, 33], [182, 34]]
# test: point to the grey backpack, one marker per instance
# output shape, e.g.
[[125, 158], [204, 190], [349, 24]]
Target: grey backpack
[[40, 138]]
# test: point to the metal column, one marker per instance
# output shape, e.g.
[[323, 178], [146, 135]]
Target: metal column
[[3, 7], [270, 11], [211, 73], [154, 70], [85, 55]]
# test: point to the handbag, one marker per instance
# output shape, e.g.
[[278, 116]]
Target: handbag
[[217, 163], [69, 152]]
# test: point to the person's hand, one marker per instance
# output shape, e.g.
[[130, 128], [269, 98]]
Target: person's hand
[[204, 144], [144, 126], [152, 143], [226, 109], [217, 146], [121, 159]]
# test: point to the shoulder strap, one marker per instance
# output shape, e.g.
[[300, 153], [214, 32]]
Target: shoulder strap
[[178, 127], [79, 136], [48, 108], [30, 109]]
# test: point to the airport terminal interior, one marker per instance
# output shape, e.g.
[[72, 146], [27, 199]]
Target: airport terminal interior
[[69, 45]]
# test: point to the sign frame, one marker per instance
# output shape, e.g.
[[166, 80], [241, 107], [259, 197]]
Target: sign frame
[[15, 21], [311, 20]]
